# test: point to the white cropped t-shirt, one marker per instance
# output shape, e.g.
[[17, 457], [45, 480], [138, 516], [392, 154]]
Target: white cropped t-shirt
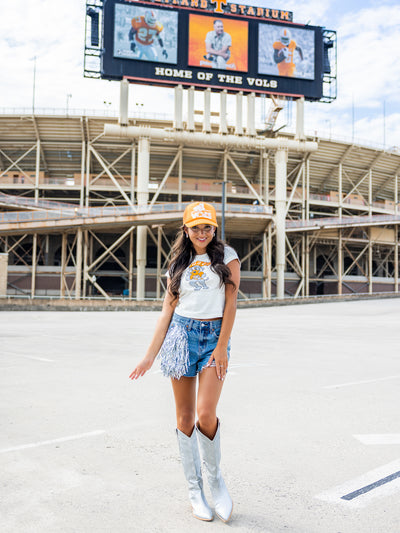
[[201, 294]]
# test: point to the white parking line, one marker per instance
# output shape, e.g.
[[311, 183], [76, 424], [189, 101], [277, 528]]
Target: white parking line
[[361, 491], [384, 438], [53, 441], [349, 384]]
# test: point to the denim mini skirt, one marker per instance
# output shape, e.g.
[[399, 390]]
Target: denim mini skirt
[[188, 346]]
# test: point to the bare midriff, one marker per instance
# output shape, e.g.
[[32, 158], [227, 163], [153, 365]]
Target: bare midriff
[[207, 319]]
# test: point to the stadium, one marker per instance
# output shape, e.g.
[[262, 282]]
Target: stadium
[[90, 204], [65, 185]]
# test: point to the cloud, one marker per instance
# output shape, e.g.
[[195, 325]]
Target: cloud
[[368, 56], [53, 31], [314, 12]]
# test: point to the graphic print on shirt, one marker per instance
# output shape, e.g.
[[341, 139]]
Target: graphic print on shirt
[[196, 275]]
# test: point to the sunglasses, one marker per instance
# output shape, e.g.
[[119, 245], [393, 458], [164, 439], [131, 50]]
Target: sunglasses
[[206, 229]]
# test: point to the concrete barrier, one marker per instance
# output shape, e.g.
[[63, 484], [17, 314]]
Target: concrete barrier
[[44, 304]]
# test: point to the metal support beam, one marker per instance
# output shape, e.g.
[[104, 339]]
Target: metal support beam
[[214, 140], [249, 185], [34, 261], [37, 171], [15, 163], [63, 264], [106, 169], [266, 179], [294, 188], [130, 267], [111, 166], [370, 192], [164, 180], [87, 184], [190, 116], [307, 189], [340, 263], [93, 281], [280, 210], [296, 263], [109, 250], [223, 126], [239, 113], [307, 265], [123, 102], [251, 115], [85, 261], [141, 257], [3, 274], [78, 274], [396, 259], [180, 171], [133, 173], [250, 253], [303, 263], [82, 189], [207, 111], [142, 199], [355, 187], [300, 119], [340, 187], [269, 272], [178, 107], [266, 267], [159, 247], [370, 251]]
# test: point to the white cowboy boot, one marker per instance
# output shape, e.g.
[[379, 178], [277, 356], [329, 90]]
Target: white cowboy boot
[[211, 454], [190, 457]]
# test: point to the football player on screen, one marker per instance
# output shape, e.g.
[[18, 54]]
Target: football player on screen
[[284, 50], [145, 29]]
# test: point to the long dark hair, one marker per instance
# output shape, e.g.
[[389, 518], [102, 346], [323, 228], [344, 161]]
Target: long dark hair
[[183, 253]]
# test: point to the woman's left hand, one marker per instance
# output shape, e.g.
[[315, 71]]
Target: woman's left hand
[[220, 356]]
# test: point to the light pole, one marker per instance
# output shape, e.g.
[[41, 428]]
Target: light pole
[[223, 210], [68, 97], [34, 85]]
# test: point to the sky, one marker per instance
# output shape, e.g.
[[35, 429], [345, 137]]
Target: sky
[[367, 109]]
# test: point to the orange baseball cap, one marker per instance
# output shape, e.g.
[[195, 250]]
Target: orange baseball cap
[[199, 213]]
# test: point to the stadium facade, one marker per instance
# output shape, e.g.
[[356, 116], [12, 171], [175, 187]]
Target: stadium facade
[[88, 211]]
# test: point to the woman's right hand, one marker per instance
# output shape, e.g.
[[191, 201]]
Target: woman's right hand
[[141, 368]]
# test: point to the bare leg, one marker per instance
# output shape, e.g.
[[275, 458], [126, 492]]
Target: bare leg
[[185, 403], [210, 388]]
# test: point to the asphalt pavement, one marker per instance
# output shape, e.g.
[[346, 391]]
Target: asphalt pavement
[[309, 416]]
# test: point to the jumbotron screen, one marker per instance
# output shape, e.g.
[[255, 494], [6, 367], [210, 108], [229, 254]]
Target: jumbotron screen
[[211, 44]]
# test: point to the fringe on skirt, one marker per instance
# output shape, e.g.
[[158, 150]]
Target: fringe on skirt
[[174, 352]]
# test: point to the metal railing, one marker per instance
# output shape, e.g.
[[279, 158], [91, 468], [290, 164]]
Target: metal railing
[[32, 202], [330, 222], [323, 133], [71, 211]]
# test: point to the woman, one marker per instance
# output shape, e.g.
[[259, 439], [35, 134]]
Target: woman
[[192, 336]]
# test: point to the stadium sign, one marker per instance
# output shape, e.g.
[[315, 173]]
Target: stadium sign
[[220, 6], [211, 44]]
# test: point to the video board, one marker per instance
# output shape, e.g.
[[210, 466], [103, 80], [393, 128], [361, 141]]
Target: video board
[[211, 44]]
